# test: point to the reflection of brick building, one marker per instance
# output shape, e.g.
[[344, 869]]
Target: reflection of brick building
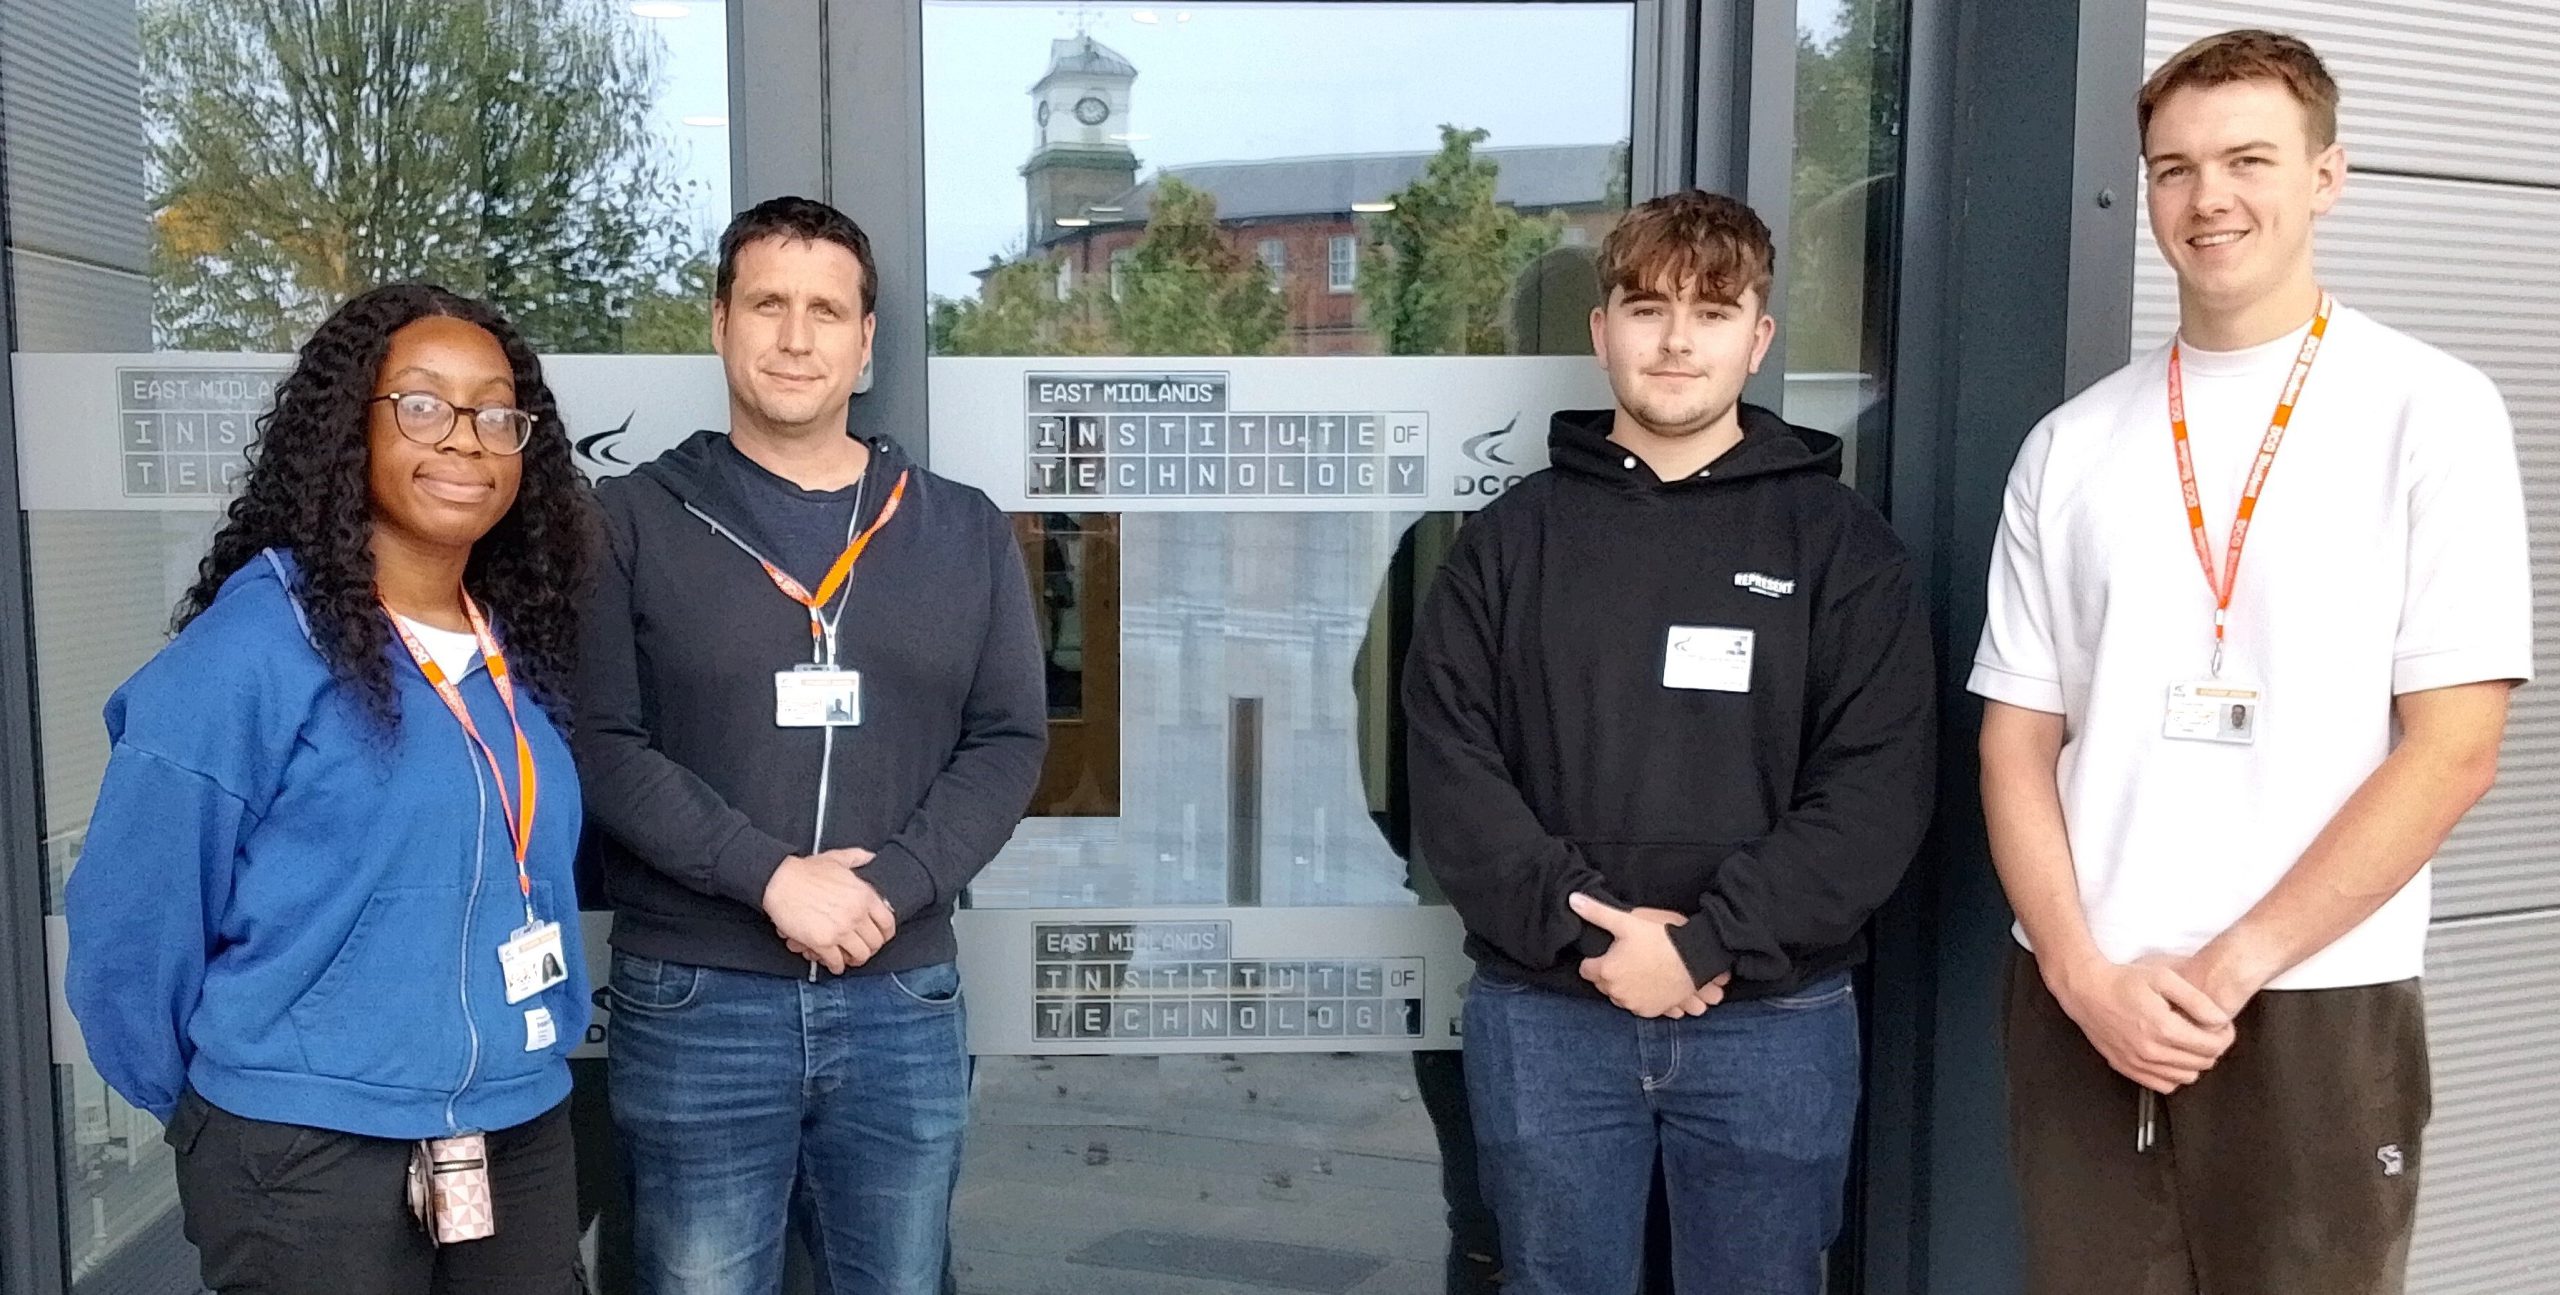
[[1085, 204]]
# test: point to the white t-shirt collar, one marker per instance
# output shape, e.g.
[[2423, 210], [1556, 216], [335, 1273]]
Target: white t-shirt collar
[[452, 650], [2276, 354]]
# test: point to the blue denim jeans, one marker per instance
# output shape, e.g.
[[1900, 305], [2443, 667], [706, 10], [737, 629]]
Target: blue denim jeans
[[1750, 1109], [744, 1102]]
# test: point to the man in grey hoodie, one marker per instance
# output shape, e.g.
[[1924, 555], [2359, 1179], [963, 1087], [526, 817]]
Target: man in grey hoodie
[[811, 709]]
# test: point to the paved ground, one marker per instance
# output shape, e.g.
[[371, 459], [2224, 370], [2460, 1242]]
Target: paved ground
[[1204, 1175]]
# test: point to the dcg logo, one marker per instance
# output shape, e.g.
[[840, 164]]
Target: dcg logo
[[1489, 449]]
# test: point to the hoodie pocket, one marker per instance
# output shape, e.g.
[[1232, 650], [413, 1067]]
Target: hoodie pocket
[[388, 1010], [1657, 874]]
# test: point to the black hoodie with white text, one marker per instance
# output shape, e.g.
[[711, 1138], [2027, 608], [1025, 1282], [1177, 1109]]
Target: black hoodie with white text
[[1713, 695]]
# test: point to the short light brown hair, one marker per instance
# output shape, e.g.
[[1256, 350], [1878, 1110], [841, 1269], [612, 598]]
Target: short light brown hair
[[1689, 239], [2249, 54]]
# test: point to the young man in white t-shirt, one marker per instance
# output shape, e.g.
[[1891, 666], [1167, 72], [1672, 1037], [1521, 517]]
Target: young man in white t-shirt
[[2212, 797]]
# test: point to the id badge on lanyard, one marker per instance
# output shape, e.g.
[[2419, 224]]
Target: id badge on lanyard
[[2212, 710], [534, 959], [821, 693], [815, 696], [535, 956], [2215, 708]]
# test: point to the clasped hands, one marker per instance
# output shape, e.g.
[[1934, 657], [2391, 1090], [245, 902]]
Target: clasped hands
[[1642, 972], [2160, 1020], [826, 912]]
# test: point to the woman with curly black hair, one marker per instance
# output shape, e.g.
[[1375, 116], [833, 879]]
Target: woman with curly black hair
[[323, 924]]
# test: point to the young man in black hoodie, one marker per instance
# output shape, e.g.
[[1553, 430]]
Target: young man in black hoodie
[[811, 710], [1671, 711]]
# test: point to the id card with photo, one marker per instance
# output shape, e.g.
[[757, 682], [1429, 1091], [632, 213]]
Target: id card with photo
[[2214, 710], [817, 698], [533, 960]]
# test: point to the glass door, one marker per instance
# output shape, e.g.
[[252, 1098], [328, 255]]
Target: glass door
[[182, 213], [1239, 309]]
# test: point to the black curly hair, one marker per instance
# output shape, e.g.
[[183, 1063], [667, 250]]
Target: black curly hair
[[306, 491]]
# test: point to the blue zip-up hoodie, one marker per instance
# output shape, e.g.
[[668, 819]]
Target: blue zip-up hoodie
[[301, 921]]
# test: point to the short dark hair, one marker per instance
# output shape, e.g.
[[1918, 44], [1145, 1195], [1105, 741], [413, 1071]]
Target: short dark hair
[[1694, 239], [2249, 54], [802, 220]]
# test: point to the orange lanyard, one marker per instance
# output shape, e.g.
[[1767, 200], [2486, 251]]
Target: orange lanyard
[[2257, 483], [519, 818], [836, 575]]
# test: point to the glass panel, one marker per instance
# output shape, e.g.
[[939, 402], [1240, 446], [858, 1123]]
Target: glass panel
[[1420, 237], [1849, 60], [1204, 154], [1412, 181], [171, 189]]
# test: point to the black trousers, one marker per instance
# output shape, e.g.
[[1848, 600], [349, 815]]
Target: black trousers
[[282, 1209]]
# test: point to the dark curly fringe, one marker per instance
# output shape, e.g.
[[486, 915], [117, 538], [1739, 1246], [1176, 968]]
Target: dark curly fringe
[[306, 491]]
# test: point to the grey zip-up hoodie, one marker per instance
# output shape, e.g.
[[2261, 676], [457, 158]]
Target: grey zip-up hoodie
[[697, 795]]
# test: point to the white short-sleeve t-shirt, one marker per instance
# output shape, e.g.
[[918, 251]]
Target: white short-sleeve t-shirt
[[2388, 555]]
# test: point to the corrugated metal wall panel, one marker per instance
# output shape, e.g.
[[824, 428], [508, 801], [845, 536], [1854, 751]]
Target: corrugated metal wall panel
[[2469, 89], [71, 98], [2492, 1168], [75, 306], [2155, 290]]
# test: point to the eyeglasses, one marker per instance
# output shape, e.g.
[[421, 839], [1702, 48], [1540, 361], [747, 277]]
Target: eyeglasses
[[428, 419]]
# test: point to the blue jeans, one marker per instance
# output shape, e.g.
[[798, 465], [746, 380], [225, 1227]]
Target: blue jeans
[[1750, 1109], [744, 1102]]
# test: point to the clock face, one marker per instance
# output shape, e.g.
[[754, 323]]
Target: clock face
[[1041, 113], [1092, 111]]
